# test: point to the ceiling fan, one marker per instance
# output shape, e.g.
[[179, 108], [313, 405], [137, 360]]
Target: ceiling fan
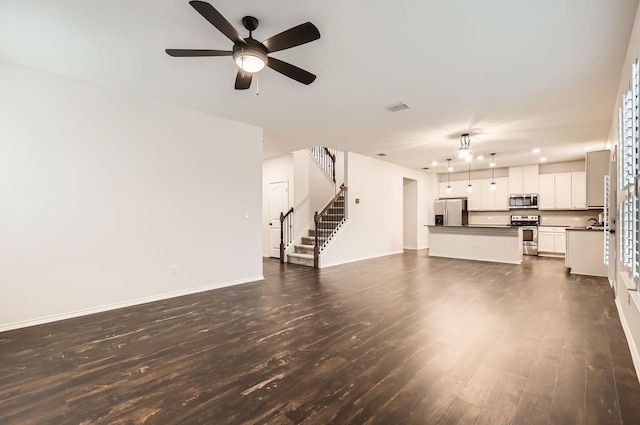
[[250, 55]]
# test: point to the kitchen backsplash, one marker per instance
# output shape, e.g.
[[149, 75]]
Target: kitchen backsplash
[[547, 217]]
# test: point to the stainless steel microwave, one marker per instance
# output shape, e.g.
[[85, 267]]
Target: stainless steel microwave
[[527, 200]]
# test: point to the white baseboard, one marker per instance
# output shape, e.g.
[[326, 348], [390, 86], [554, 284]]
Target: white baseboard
[[129, 303], [633, 347]]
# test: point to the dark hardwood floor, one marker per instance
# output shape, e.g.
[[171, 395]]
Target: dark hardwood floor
[[405, 339]]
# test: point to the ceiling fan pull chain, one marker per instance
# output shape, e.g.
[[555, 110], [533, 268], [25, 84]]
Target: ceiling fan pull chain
[[257, 84]]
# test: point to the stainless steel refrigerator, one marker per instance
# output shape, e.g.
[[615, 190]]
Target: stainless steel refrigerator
[[451, 212]]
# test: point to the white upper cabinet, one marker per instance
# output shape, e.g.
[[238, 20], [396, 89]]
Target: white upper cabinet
[[474, 201], [502, 194], [597, 165], [523, 179], [530, 183], [579, 190], [481, 198], [546, 192], [516, 180], [562, 191]]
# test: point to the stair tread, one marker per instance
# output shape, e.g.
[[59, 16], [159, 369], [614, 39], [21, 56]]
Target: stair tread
[[299, 255]]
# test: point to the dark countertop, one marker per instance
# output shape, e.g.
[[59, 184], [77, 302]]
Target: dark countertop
[[588, 229], [475, 226]]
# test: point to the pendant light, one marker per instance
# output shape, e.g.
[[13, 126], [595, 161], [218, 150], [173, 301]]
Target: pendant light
[[469, 187], [465, 145], [493, 169], [449, 189]]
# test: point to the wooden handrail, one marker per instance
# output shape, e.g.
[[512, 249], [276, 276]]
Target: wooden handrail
[[339, 194]]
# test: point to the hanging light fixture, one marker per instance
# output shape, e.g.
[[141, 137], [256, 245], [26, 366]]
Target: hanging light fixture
[[465, 144], [449, 168], [493, 169], [469, 187]]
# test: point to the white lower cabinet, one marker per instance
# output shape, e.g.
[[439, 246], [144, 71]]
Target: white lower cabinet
[[551, 240]]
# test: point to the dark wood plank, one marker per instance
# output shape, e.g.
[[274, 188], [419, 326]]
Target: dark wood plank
[[568, 403], [532, 410], [502, 403]]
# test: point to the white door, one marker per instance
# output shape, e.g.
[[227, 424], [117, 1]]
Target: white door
[[278, 203]]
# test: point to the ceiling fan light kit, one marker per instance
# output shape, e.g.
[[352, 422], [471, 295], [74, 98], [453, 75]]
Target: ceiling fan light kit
[[250, 55], [251, 58]]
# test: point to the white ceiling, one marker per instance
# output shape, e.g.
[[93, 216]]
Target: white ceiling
[[516, 74]]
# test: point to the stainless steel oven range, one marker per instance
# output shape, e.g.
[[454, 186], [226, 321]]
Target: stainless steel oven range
[[529, 224]]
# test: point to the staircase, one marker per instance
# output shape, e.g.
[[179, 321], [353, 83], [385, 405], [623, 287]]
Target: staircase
[[327, 223]]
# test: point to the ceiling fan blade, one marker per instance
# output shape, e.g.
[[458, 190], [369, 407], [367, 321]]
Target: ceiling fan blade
[[217, 20], [303, 33], [243, 80], [184, 53], [291, 71]]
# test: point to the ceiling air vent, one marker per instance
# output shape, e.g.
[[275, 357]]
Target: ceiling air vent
[[396, 107]]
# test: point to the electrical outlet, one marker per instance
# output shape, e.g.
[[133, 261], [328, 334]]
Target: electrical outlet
[[174, 271]]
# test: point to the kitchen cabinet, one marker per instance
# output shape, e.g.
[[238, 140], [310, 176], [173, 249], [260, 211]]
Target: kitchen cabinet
[[551, 240], [523, 179], [578, 190], [597, 166], [475, 196], [562, 191], [546, 192], [459, 189], [585, 249], [481, 198], [495, 200]]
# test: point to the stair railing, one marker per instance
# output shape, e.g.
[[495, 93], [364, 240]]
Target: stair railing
[[326, 160], [286, 231], [328, 221]]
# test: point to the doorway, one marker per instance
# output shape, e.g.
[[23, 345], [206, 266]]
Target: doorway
[[278, 203]]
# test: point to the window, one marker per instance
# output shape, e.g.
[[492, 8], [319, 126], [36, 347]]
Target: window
[[628, 169]]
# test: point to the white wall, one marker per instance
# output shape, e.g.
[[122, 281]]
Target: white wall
[[312, 192], [410, 214], [102, 194], [274, 170], [375, 225], [628, 302]]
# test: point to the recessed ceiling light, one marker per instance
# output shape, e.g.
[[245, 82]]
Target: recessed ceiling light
[[480, 157], [434, 163], [588, 148], [536, 150], [492, 164], [543, 158], [381, 154]]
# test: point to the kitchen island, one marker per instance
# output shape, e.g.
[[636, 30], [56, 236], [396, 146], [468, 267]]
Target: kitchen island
[[585, 251], [499, 244]]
